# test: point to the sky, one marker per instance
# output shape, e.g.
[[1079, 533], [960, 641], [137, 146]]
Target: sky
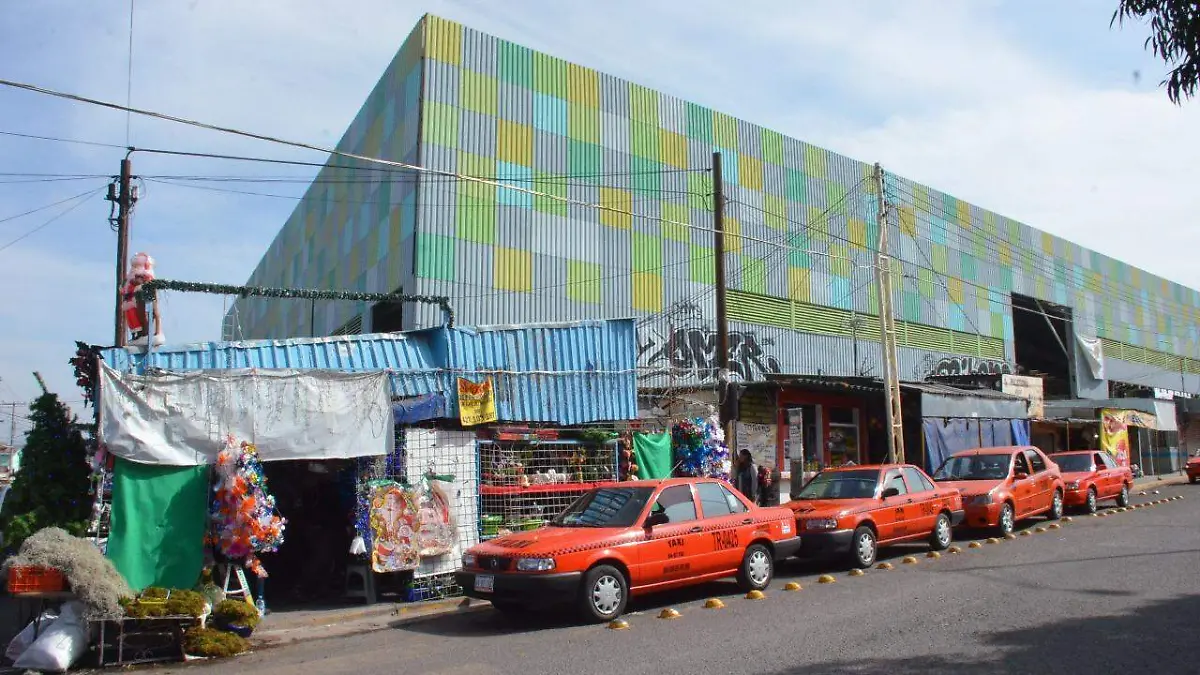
[[1036, 110]]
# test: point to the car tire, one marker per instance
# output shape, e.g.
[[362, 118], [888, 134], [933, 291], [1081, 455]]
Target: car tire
[[757, 570], [1008, 519], [603, 595], [1056, 506], [942, 535], [1193, 479], [1092, 504], [864, 547], [1123, 497]]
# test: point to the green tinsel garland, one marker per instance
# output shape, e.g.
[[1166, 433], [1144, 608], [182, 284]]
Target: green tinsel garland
[[150, 289]]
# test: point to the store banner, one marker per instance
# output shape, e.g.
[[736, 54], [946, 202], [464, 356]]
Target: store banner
[[476, 402], [183, 419], [1114, 431]]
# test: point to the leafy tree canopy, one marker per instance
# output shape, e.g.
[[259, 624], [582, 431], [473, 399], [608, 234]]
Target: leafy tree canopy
[[1174, 37]]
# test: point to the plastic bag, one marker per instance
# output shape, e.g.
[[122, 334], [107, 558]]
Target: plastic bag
[[58, 646], [22, 640]]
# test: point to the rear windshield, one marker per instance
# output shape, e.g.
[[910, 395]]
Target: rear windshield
[[1073, 463]]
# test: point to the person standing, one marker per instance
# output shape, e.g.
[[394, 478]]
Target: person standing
[[745, 476]]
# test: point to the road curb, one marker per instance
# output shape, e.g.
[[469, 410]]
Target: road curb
[[1160, 482], [359, 622]]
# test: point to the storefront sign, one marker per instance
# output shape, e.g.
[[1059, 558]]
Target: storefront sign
[[1114, 431], [759, 439], [1028, 388], [476, 402], [796, 434]]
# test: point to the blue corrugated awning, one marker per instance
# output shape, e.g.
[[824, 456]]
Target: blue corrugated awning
[[563, 373]]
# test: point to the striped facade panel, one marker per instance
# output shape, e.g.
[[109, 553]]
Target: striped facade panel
[[620, 226]]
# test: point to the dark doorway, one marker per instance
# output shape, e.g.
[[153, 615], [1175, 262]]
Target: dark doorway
[[317, 499], [1042, 339], [387, 317]]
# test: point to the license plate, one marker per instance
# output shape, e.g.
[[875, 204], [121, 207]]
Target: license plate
[[485, 583]]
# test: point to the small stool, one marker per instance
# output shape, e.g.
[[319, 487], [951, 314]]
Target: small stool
[[360, 582]]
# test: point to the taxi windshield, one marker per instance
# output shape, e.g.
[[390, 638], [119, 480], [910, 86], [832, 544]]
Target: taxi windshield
[[606, 507], [974, 467], [856, 484], [1074, 463]]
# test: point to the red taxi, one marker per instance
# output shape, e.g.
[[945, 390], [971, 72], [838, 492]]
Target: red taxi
[[851, 511], [1193, 469], [1091, 476], [1003, 485], [630, 539]]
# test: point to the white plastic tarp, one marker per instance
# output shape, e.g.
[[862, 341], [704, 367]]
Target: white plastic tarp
[[182, 419]]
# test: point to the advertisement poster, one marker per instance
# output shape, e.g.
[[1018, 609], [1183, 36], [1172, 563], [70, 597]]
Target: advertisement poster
[[394, 525], [759, 439], [1029, 388], [1114, 431], [795, 449], [476, 402]]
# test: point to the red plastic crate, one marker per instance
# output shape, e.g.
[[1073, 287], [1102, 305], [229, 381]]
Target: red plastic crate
[[35, 580]]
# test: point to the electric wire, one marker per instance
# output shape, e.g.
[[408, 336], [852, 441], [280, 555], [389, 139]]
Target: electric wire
[[49, 206], [81, 201]]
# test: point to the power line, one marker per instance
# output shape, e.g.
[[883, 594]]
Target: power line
[[56, 139], [51, 220], [48, 206]]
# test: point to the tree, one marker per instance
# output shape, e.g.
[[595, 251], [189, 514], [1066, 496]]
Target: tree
[[1174, 37], [51, 489]]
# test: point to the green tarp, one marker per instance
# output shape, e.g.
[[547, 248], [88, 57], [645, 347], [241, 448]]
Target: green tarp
[[159, 517], [652, 454]]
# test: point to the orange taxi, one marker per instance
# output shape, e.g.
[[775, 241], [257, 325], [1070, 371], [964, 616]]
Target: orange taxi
[[1003, 485], [1193, 469], [629, 539], [851, 511], [1091, 476]]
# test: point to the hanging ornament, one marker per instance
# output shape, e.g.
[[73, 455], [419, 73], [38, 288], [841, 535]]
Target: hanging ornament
[[244, 520]]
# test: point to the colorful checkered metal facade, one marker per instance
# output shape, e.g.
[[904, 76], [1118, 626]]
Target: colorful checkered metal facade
[[802, 221]]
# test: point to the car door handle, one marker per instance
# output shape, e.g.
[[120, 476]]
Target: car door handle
[[747, 521], [696, 530]]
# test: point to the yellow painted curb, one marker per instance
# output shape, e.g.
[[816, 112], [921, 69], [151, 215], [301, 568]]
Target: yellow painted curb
[[755, 595], [618, 624], [792, 586], [669, 613], [714, 603], [826, 579], [885, 566]]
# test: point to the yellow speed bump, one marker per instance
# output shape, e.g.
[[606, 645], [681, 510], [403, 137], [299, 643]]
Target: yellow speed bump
[[669, 613], [974, 544], [1054, 526], [755, 595], [1025, 533], [885, 566], [714, 603], [856, 572], [993, 540], [1068, 519], [954, 549], [1010, 536], [933, 554], [792, 586], [909, 560], [826, 579], [618, 624], [1039, 529]]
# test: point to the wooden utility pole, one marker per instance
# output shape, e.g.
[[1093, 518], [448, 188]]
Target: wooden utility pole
[[124, 199], [723, 388], [887, 329]]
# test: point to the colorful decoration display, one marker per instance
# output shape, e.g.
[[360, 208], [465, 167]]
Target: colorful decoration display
[[141, 272], [700, 448], [394, 525], [435, 532], [244, 520]]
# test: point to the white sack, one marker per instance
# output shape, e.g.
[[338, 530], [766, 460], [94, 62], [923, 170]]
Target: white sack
[[181, 419], [58, 646], [22, 640]]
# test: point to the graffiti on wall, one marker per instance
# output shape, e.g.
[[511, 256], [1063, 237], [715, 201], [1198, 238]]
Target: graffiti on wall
[[966, 365], [693, 352]]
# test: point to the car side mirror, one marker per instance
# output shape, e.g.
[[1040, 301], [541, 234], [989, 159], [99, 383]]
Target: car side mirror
[[656, 518], [891, 492], [1020, 475]]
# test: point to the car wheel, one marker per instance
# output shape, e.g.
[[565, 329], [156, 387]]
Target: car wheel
[[863, 547], [1056, 506], [1091, 500], [757, 570], [1123, 498], [1007, 518], [1193, 479], [942, 535], [604, 594]]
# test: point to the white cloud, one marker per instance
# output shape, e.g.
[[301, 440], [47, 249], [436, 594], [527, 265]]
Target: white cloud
[[941, 92]]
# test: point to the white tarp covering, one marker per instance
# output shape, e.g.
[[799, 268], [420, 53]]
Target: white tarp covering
[[1093, 354], [182, 419]]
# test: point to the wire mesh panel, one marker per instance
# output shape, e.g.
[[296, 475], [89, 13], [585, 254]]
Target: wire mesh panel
[[448, 459], [524, 480]]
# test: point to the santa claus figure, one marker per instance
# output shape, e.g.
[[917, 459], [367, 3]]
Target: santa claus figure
[[141, 270]]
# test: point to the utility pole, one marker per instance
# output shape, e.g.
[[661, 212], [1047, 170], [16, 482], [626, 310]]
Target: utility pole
[[723, 388], [887, 330], [12, 428], [124, 198]]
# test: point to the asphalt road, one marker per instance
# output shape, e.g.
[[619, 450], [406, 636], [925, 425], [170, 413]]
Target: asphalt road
[[1099, 595]]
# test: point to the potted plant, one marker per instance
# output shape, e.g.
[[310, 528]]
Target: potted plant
[[235, 616]]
